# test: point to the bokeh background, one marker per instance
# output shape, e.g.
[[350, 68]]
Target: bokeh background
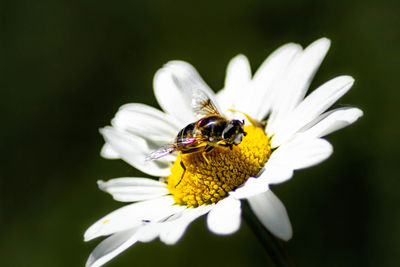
[[66, 67]]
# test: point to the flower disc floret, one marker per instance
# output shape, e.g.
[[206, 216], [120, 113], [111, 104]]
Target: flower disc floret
[[207, 181]]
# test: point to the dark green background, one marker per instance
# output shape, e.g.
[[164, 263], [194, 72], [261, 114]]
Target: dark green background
[[66, 67]]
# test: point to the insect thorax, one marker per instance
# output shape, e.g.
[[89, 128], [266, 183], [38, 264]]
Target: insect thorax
[[212, 127]]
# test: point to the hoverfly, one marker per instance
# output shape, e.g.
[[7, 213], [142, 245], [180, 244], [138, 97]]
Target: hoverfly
[[203, 135]]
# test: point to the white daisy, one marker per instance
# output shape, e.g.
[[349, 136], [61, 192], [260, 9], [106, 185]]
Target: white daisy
[[291, 141]]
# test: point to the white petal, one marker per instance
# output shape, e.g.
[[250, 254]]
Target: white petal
[[225, 101], [266, 80], [238, 76], [134, 150], [272, 173], [311, 107], [148, 232], [111, 247], [272, 214], [133, 215], [299, 153], [174, 228], [305, 152], [108, 153], [238, 73], [332, 121], [189, 82], [133, 189], [277, 170], [224, 218], [147, 122], [308, 65], [297, 80], [173, 85], [171, 98], [250, 188]]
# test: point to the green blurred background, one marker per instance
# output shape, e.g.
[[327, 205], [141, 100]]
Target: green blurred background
[[66, 67]]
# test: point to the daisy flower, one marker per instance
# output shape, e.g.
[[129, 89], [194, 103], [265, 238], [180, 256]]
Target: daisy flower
[[215, 185]]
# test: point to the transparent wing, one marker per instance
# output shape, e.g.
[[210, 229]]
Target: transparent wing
[[170, 148], [162, 151], [202, 104]]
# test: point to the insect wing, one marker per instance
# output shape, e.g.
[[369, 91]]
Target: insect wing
[[189, 141], [202, 104], [182, 144], [161, 152]]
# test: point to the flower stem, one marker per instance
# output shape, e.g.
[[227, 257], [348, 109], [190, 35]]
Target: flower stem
[[273, 246]]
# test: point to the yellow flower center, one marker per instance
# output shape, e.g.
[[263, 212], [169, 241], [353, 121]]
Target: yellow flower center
[[208, 181]]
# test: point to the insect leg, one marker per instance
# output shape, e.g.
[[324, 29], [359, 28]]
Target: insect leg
[[183, 174], [226, 145], [207, 149], [204, 156], [191, 150]]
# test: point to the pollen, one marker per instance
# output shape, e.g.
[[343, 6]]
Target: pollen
[[210, 176]]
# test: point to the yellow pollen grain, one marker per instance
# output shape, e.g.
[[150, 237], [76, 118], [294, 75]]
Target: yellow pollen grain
[[208, 182]]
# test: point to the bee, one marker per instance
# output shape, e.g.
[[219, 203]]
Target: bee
[[210, 131]]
